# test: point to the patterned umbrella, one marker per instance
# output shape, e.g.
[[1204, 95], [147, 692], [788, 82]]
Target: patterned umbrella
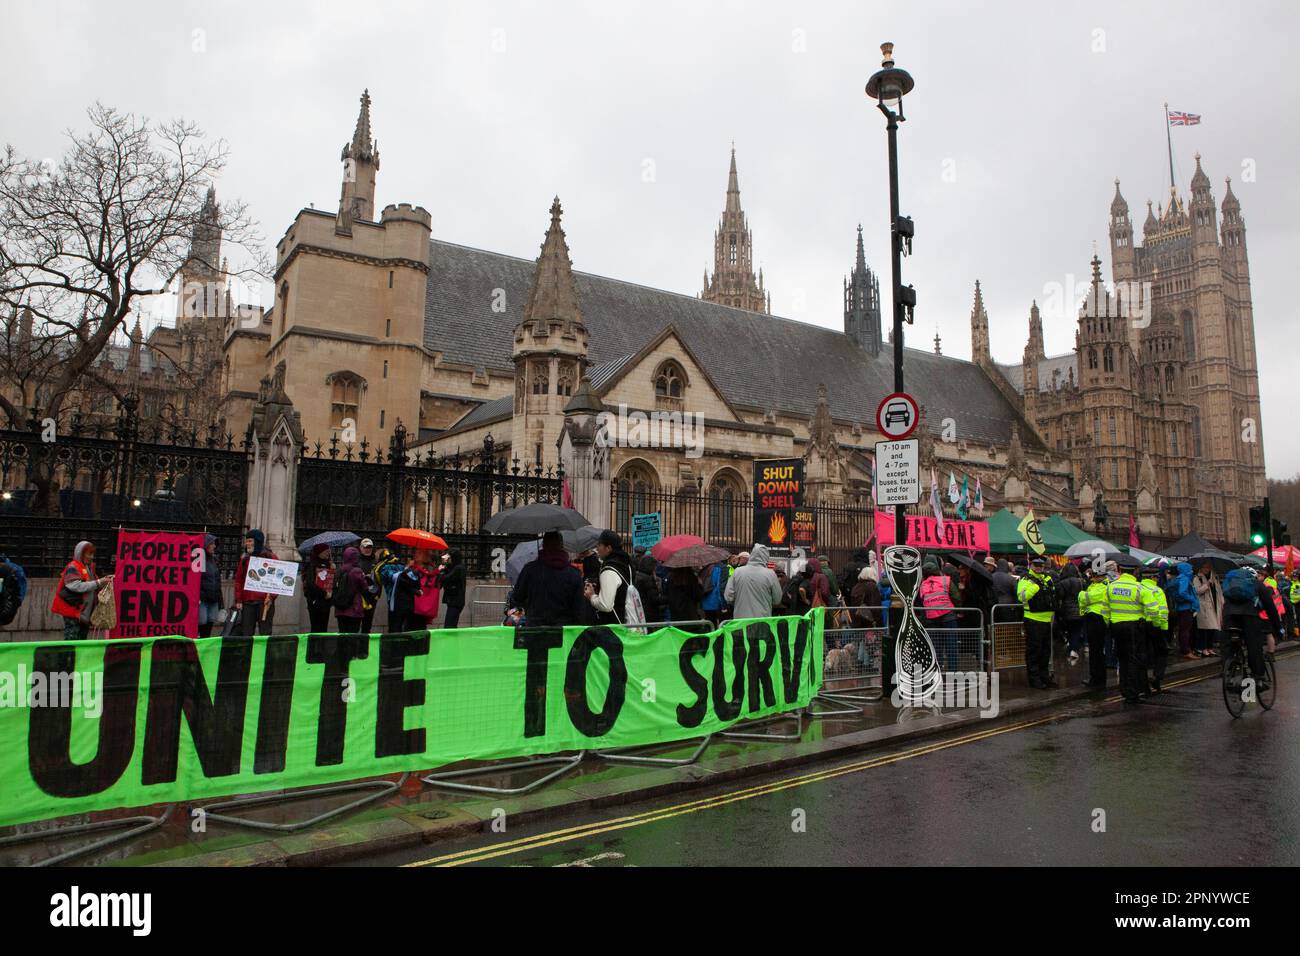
[[335, 539], [696, 556], [665, 548]]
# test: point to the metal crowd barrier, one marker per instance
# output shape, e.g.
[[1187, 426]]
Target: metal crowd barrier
[[851, 669], [1007, 636], [497, 616], [140, 826], [381, 788]]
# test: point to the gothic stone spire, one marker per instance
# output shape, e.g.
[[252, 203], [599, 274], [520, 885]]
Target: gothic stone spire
[[733, 282]]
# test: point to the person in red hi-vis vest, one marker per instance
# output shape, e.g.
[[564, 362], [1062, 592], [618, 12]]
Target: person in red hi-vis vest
[[78, 589]]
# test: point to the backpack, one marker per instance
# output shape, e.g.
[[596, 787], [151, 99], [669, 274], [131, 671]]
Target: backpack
[[13, 589], [342, 595], [1045, 598], [633, 609], [1239, 586]]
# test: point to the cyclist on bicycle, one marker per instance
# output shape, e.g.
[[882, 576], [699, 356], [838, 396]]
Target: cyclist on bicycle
[[1248, 607]]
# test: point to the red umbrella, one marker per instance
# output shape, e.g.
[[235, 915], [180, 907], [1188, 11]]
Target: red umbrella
[[1281, 554], [697, 556], [665, 548], [416, 538]]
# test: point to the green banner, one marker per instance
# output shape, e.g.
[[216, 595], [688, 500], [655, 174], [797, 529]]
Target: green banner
[[97, 725]]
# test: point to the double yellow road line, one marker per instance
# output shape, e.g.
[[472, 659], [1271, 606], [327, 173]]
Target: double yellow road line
[[586, 831]]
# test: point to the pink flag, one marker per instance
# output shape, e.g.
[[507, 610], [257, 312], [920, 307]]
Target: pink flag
[[1133, 541], [566, 496]]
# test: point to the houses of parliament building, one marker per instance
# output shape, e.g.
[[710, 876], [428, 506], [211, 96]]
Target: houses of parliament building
[[375, 321]]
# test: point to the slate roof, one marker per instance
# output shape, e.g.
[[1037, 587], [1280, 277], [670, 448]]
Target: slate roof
[[761, 361], [1058, 364], [487, 412]]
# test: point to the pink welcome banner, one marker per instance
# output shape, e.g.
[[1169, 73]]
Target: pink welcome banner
[[923, 532]]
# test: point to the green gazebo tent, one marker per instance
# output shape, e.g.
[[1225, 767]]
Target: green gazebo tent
[[1058, 534]]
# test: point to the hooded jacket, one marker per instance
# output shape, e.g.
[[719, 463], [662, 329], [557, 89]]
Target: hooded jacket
[[549, 590], [753, 589], [359, 583], [210, 581], [1067, 592], [259, 551], [77, 592], [1181, 591]]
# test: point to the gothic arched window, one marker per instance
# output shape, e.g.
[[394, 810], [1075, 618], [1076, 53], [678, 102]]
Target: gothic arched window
[[541, 377], [1196, 433], [1189, 337], [1169, 379], [724, 494], [732, 255], [564, 379], [670, 380], [345, 398], [1108, 359], [1092, 358], [633, 488]]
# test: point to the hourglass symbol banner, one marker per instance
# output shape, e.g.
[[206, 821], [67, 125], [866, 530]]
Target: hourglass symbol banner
[[916, 666]]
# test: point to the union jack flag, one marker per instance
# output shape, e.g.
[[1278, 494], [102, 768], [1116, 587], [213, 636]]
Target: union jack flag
[[1184, 119]]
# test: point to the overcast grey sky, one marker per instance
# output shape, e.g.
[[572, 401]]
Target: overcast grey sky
[[1022, 117]]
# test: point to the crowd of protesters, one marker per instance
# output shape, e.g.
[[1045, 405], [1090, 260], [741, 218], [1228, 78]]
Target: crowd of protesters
[[1104, 616]]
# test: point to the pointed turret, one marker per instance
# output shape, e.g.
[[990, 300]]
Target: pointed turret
[[938, 347], [1200, 181], [1233, 230], [733, 282], [1151, 223], [862, 303], [979, 329], [360, 164], [1035, 345], [1122, 257], [553, 298], [1204, 224], [550, 348]]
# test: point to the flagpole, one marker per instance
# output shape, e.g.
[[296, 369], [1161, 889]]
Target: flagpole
[[1169, 140]]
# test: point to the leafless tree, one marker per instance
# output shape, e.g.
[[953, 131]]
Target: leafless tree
[[84, 241]]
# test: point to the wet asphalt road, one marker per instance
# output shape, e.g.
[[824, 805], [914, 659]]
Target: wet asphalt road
[[1178, 781]]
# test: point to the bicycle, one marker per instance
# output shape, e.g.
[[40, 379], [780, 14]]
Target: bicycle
[[1236, 692]]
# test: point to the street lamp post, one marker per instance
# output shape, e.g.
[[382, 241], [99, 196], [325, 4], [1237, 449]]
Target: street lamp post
[[887, 87]]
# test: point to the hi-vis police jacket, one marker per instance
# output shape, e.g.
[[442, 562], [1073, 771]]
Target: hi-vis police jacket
[[1092, 600], [1123, 595], [1155, 606], [1026, 588]]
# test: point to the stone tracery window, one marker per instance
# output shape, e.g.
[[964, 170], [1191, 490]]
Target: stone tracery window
[[1108, 359], [541, 377], [345, 397], [725, 494], [565, 379], [635, 485], [670, 380]]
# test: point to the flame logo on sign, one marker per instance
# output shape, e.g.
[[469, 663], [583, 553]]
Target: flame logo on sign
[[776, 529]]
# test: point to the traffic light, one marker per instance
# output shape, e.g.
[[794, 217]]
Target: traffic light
[[1259, 526], [1280, 535]]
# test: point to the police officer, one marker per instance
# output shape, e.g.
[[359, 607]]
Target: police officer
[[1096, 622], [1295, 602], [1155, 628], [1036, 592], [1123, 598]]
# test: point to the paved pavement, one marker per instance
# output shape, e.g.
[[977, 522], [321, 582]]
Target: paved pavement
[[1174, 781]]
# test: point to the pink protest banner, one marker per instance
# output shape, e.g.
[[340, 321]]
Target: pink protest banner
[[923, 532], [156, 583]]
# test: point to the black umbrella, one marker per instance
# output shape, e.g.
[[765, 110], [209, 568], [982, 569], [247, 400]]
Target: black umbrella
[[537, 518], [1220, 562], [975, 566]]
